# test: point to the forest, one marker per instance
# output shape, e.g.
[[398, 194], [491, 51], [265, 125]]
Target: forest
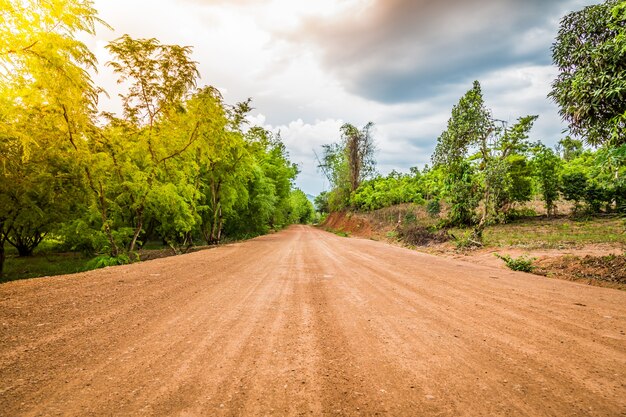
[[179, 166]]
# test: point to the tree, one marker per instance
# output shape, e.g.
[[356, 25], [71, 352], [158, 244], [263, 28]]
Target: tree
[[159, 77], [359, 149], [471, 127], [300, 208], [574, 187], [348, 163], [570, 148], [47, 101], [546, 168], [590, 52]]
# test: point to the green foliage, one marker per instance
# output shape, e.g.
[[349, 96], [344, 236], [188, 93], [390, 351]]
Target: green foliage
[[570, 148], [546, 169], [522, 263], [496, 174], [381, 192], [466, 240], [301, 210], [574, 187], [590, 52], [178, 166], [347, 164], [104, 261], [433, 207], [321, 202]]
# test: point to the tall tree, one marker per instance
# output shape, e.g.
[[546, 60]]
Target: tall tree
[[472, 128], [348, 163], [359, 149], [159, 78], [47, 101]]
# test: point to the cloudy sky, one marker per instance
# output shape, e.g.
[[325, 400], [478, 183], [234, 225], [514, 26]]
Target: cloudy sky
[[312, 65]]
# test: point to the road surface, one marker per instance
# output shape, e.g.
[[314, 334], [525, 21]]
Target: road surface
[[303, 322]]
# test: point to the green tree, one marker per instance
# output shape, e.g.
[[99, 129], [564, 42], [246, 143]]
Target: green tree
[[300, 208], [348, 163], [590, 52], [159, 78], [574, 187], [546, 169], [47, 101], [570, 148], [486, 174]]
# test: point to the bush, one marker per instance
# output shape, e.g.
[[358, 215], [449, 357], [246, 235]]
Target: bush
[[103, 261], [520, 213], [466, 241], [433, 208], [522, 263]]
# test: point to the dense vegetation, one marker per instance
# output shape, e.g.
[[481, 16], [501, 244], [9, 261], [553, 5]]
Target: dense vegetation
[[484, 169], [178, 165]]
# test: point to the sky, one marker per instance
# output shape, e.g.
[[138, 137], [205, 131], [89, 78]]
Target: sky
[[312, 65]]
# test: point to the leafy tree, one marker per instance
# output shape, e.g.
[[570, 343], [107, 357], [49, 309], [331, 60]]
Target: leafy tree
[[348, 163], [570, 148], [359, 149], [381, 192], [321, 202], [518, 186], [471, 127], [546, 169], [590, 52], [158, 77], [574, 187], [300, 208], [47, 100]]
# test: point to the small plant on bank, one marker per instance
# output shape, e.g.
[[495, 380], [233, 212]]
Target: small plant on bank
[[103, 261], [466, 241], [522, 263]]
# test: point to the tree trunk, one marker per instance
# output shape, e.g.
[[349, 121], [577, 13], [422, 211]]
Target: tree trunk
[[219, 226], [137, 231], [24, 250]]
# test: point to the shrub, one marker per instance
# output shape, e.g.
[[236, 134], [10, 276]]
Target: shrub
[[522, 263], [433, 208], [466, 241], [103, 261]]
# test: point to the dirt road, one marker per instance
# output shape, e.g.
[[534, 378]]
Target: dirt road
[[304, 322]]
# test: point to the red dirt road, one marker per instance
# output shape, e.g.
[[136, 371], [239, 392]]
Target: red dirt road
[[303, 322]]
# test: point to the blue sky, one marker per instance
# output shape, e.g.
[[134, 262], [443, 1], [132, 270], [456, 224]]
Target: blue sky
[[310, 66]]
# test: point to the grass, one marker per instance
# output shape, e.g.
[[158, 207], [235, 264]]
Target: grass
[[43, 264], [555, 233]]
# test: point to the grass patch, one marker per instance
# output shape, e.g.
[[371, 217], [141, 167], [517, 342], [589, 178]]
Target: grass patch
[[555, 233], [44, 264]]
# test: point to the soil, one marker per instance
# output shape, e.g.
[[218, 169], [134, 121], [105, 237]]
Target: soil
[[592, 264], [304, 322]]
